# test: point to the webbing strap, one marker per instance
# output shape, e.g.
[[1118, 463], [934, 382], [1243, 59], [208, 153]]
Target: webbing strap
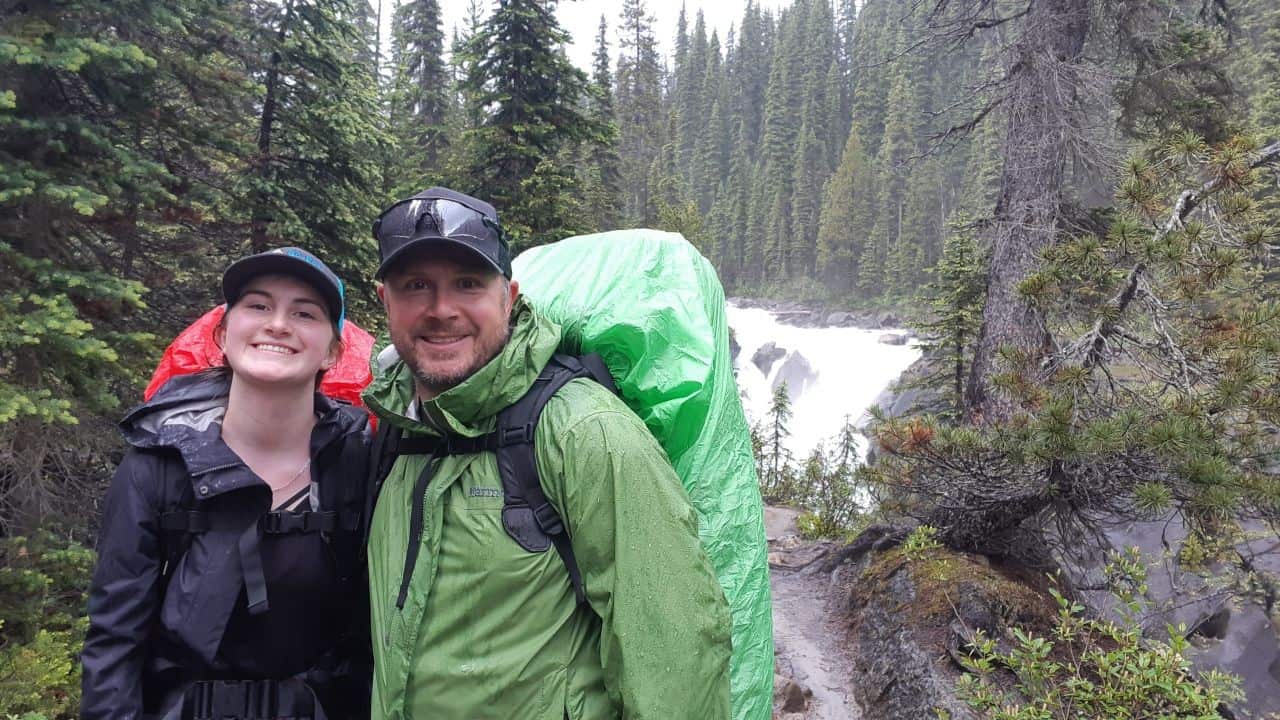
[[288, 522], [416, 522], [255, 578]]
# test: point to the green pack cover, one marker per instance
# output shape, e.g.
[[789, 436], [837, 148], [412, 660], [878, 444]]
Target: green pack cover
[[653, 308]]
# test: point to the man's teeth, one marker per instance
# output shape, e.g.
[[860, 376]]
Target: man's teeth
[[443, 340], [276, 349]]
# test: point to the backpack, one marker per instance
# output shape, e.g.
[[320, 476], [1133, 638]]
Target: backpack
[[527, 516]]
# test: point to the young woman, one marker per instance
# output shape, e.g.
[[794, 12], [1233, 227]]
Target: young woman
[[230, 578]]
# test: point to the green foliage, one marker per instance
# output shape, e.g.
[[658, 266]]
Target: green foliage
[[920, 541], [1164, 388], [1092, 668], [827, 483], [954, 300], [533, 98], [42, 624], [777, 476]]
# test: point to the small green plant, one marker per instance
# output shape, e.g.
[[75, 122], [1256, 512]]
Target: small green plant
[[42, 625], [920, 541], [1088, 668]]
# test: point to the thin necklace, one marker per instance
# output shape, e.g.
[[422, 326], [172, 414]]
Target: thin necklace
[[294, 479]]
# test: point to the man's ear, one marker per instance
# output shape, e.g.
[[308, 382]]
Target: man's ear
[[382, 294], [220, 335], [513, 292]]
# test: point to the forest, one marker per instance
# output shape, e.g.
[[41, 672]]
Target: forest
[[1075, 200]]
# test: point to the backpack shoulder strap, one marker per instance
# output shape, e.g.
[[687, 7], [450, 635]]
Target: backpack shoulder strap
[[178, 520], [529, 518], [382, 456]]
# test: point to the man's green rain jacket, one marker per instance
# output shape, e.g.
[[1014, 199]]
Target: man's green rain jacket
[[490, 630]]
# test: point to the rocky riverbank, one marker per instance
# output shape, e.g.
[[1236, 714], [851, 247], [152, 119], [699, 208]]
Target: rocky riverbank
[[798, 314]]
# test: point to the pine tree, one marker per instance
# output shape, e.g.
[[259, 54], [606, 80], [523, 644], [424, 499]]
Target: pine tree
[[315, 176], [110, 151], [710, 158], [535, 95], [955, 302], [777, 480], [602, 188], [845, 218], [639, 102], [421, 103]]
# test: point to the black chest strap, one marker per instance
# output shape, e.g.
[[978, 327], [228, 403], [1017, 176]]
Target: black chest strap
[[527, 516]]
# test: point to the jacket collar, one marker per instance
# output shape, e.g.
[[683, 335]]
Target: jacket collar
[[471, 407], [186, 416]]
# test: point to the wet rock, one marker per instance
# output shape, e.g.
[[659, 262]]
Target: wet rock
[[792, 697], [840, 319], [910, 620], [798, 318], [1234, 637], [797, 373], [734, 347], [893, 339], [889, 320], [766, 355]]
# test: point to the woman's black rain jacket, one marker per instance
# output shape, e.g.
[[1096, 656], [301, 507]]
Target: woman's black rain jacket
[[147, 622]]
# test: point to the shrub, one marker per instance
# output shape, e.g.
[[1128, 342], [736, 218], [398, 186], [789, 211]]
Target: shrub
[[43, 580], [1090, 668]]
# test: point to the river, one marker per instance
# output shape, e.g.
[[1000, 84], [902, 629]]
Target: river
[[847, 368]]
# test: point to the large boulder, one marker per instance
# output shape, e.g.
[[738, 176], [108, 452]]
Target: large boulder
[[766, 355], [909, 617], [840, 319], [798, 318], [893, 339], [796, 372]]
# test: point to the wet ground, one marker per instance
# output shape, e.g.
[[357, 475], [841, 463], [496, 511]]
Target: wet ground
[[806, 634]]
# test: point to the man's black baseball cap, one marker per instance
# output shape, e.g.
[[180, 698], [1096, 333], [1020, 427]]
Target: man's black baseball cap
[[440, 216], [291, 261]]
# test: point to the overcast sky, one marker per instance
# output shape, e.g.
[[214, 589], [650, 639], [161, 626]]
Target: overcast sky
[[582, 19]]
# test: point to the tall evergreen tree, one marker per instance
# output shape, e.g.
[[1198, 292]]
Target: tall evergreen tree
[[111, 144], [535, 95], [603, 186], [639, 103], [845, 218], [421, 102], [313, 180]]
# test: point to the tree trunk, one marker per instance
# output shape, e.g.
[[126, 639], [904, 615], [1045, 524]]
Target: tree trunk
[[261, 221], [1043, 111]]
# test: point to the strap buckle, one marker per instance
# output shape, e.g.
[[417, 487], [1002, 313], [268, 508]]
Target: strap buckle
[[516, 434], [238, 699]]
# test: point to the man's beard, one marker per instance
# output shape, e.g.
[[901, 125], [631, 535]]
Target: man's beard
[[437, 383]]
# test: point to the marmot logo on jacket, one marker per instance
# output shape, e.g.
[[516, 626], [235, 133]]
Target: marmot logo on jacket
[[486, 492]]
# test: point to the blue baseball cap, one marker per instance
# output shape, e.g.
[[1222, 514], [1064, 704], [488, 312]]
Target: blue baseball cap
[[287, 261]]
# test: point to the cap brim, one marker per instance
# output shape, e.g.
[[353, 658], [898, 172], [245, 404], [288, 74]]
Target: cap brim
[[419, 244], [246, 269]]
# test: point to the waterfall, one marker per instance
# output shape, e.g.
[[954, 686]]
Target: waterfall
[[831, 371]]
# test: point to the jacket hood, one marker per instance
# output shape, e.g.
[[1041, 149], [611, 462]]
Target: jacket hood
[[186, 414], [471, 407]]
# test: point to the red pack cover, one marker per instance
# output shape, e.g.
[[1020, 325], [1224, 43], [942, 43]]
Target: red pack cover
[[194, 350]]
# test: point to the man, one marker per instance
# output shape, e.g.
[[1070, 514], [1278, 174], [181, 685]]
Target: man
[[467, 623]]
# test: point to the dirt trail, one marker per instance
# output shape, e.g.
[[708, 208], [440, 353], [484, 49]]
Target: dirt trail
[[805, 634]]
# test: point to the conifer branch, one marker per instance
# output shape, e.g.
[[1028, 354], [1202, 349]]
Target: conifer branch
[[1094, 342]]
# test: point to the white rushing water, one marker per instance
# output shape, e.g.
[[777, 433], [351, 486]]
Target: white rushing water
[[850, 368]]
